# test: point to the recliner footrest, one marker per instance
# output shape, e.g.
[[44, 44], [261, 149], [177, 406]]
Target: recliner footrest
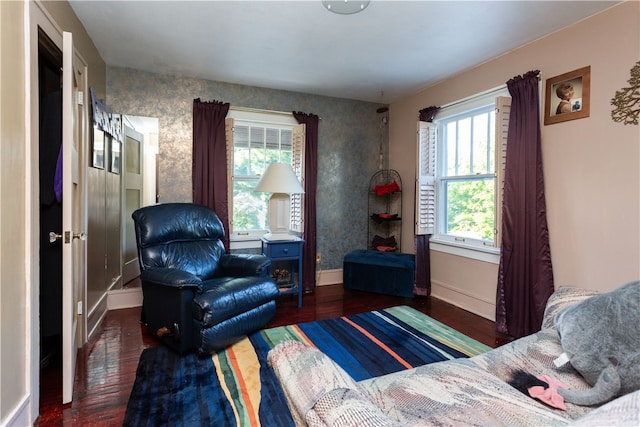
[[209, 340], [229, 297]]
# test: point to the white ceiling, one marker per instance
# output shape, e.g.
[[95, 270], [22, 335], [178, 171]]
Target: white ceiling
[[392, 47]]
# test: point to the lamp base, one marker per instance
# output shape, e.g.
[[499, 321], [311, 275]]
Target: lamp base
[[279, 214]]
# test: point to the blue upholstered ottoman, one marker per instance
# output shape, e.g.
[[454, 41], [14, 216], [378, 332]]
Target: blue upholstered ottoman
[[388, 273]]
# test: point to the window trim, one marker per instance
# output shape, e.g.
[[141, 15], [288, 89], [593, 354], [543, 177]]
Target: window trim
[[471, 102], [248, 117], [483, 105], [479, 251], [486, 254]]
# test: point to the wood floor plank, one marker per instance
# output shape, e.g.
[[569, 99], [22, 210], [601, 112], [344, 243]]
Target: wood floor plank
[[107, 365]]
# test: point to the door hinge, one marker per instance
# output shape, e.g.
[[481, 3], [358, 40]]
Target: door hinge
[[80, 98], [79, 308]]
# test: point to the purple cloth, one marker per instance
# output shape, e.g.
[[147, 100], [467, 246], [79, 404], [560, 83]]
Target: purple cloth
[[57, 178], [525, 273]]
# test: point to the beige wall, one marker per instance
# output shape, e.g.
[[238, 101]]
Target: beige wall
[[591, 165], [14, 283]]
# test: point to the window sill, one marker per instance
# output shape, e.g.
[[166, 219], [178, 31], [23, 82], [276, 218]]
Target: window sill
[[252, 240], [488, 254], [245, 244]]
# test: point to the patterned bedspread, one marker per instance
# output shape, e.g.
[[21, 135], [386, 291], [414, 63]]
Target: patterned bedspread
[[470, 392]]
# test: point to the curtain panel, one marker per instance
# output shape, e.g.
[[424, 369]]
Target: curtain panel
[[525, 275], [209, 162], [311, 122], [422, 285]]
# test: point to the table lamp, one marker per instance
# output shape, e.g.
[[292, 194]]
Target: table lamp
[[279, 180]]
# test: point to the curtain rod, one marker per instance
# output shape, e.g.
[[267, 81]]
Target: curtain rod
[[260, 110], [495, 89], [468, 98], [263, 111]]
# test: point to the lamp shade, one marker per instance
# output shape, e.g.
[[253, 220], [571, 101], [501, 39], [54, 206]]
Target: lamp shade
[[279, 178]]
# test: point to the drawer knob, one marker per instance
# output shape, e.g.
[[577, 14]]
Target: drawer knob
[[285, 250]]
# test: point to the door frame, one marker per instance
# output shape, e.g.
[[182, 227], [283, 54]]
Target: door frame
[[130, 268]]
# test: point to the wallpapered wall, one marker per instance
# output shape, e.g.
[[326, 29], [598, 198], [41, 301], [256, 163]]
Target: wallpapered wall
[[348, 149]]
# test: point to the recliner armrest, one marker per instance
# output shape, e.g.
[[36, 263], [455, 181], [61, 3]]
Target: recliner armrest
[[241, 265], [170, 277]]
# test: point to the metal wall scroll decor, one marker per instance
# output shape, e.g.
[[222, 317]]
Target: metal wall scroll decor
[[627, 100]]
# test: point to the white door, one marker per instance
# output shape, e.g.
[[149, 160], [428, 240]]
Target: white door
[[73, 211], [132, 199]]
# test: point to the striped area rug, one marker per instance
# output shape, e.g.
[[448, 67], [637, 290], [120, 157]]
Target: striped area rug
[[236, 387]]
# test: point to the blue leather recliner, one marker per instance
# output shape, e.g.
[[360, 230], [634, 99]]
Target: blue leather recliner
[[197, 297]]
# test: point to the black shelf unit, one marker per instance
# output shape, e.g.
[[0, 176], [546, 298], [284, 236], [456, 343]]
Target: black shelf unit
[[385, 209]]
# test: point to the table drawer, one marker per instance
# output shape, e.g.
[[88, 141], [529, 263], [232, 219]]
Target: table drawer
[[282, 250]]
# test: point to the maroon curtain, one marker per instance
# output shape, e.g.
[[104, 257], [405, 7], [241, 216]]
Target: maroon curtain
[[525, 276], [310, 184], [422, 285], [428, 114], [209, 167]]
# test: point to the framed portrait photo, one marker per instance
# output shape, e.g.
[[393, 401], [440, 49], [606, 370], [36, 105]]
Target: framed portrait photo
[[567, 96]]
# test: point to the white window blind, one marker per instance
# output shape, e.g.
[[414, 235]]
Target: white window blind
[[297, 163], [425, 182], [228, 135], [503, 109]]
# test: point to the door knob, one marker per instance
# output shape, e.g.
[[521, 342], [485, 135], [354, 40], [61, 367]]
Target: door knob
[[82, 235], [53, 236]]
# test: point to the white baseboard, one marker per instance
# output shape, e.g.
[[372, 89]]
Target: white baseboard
[[128, 298], [96, 315], [464, 299], [124, 298], [20, 415], [328, 277]]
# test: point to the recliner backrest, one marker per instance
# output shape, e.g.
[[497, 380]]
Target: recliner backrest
[[185, 236]]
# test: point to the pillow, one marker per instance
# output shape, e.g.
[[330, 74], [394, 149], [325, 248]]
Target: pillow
[[348, 408], [622, 412], [308, 376], [563, 297], [384, 241], [600, 337]]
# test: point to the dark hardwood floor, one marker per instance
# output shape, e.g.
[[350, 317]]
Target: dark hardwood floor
[[107, 365]]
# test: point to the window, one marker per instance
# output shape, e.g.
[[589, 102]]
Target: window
[[460, 172], [255, 139], [466, 176]]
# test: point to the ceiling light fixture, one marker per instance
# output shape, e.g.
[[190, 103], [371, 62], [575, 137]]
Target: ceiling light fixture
[[345, 7]]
